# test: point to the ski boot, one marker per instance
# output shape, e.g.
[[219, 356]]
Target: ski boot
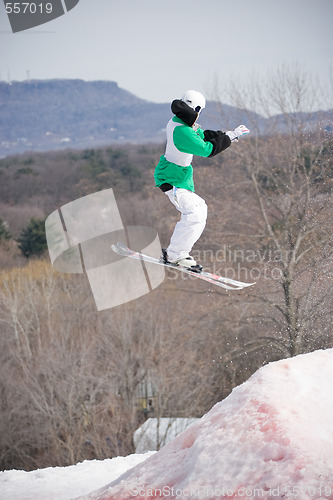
[[187, 262]]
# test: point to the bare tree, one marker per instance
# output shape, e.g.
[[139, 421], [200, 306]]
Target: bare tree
[[287, 170], [71, 377]]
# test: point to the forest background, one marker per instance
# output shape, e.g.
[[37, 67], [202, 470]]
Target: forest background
[[76, 383]]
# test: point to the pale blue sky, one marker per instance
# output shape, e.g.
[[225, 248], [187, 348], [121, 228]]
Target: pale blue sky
[[156, 49]]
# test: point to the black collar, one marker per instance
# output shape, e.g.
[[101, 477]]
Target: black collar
[[184, 112]]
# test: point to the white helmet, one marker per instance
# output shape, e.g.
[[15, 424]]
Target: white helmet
[[195, 100]]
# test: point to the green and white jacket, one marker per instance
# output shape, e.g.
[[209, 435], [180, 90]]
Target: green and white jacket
[[184, 140]]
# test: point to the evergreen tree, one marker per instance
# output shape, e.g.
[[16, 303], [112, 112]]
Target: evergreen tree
[[32, 239]]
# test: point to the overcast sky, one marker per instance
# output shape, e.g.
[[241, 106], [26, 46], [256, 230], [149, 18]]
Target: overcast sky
[[156, 49]]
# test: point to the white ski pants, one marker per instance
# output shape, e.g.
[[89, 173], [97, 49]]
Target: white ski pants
[[188, 230]]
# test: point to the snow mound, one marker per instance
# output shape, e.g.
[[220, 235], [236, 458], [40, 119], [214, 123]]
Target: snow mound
[[272, 437]]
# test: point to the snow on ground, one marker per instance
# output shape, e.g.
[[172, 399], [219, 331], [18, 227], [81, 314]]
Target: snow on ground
[[271, 438], [64, 483]]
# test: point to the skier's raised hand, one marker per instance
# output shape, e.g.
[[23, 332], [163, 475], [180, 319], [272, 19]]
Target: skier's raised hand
[[235, 134]]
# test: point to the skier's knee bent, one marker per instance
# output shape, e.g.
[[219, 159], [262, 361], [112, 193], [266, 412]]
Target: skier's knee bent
[[197, 214]]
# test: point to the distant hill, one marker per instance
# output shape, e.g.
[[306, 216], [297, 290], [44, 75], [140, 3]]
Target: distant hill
[[52, 114], [43, 115]]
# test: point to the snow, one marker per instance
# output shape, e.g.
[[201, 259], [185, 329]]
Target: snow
[[271, 438], [64, 483]]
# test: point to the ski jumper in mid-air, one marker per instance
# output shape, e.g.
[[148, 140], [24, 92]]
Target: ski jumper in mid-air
[[174, 173]]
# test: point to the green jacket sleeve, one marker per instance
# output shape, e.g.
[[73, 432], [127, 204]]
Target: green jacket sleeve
[[191, 141]]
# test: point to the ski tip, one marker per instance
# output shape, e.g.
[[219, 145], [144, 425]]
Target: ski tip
[[117, 247]]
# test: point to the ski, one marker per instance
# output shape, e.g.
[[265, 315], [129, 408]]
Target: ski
[[215, 279]]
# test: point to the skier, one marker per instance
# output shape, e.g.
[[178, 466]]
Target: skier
[[174, 173]]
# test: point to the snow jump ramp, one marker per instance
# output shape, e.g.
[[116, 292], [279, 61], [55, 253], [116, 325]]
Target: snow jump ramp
[[272, 437]]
